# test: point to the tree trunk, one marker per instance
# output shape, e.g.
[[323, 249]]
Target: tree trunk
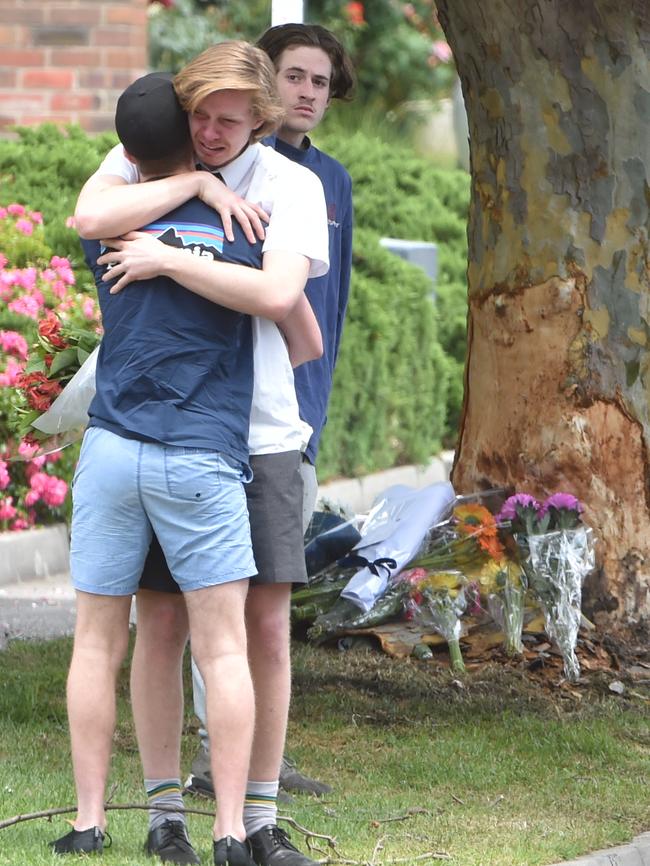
[[558, 367]]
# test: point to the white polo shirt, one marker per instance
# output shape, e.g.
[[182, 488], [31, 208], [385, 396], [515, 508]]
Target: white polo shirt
[[293, 197]]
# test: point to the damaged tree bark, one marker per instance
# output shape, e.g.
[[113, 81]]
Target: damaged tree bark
[[558, 369]]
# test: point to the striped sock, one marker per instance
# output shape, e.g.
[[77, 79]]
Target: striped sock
[[260, 805], [164, 792]]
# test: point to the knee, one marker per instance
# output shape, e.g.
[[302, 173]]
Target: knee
[[162, 621], [268, 635]]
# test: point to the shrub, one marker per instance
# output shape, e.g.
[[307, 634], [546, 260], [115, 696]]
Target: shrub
[[34, 284], [46, 167], [391, 380], [399, 194]]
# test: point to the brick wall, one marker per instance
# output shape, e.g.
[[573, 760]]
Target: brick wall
[[67, 61]]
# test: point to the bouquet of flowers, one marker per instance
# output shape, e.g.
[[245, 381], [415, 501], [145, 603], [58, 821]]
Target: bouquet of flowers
[[556, 555], [506, 604], [437, 601]]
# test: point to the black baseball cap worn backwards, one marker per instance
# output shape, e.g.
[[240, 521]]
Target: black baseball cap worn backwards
[[149, 119]]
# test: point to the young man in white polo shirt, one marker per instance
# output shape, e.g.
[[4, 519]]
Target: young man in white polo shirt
[[285, 191]]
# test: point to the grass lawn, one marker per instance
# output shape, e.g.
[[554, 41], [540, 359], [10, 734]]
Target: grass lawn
[[499, 769]]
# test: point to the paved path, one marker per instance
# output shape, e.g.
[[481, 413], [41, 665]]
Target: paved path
[[36, 609]]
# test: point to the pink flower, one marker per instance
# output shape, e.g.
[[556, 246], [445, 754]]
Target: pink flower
[[5, 479], [3, 260], [14, 343], [25, 226], [3, 213], [7, 510], [27, 449], [16, 210], [11, 374], [20, 524], [88, 308], [26, 278], [70, 223], [32, 497], [50, 489], [25, 305], [37, 217], [441, 51]]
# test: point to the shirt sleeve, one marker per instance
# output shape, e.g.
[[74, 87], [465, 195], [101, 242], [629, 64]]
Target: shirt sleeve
[[116, 163], [298, 220]]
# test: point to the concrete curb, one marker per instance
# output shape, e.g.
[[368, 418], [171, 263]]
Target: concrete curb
[[36, 553], [357, 494], [636, 853]]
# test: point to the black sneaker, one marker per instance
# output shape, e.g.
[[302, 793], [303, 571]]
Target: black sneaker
[[231, 852], [89, 841], [271, 847], [170, 843], [292, 779]]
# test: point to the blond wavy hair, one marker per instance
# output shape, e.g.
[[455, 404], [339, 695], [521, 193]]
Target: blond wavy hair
[[234, 65]]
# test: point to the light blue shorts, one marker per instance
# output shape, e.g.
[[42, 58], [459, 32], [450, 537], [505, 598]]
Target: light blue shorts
[[125, 489]]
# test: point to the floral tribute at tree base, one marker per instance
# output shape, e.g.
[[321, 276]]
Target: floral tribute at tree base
[[493, 574]]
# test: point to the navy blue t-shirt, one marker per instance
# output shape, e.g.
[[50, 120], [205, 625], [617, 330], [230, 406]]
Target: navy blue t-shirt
[[328, 294], [172, 366]]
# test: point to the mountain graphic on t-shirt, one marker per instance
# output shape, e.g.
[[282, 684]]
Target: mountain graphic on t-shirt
[[173, 238]]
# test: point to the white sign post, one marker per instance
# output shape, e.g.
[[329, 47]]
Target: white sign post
[[287, 12]]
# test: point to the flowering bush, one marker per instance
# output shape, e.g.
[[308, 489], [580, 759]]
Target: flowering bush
[[41, 315]]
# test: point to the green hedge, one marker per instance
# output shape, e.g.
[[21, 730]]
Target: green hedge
[[398, 384]]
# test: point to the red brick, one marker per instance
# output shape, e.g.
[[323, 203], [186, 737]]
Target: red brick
[[126, 58], [97, 122], [126, 15], [90, 16], [120, 36], [48, 78], [120, 80], [16, 102], [74, 101], [75, 57], [8, 77], [59, 36], [12, 14], [9, 35], [96, 79], [23, 57]]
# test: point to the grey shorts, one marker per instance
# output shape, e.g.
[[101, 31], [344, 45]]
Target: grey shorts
[[275, 509]]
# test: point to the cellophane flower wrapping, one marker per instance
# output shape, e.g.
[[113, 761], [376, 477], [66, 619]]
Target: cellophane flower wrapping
[[557, 565], [506, 605], [436, 602]]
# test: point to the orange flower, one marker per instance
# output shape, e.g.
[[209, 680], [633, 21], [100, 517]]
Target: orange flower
[[354, 12]]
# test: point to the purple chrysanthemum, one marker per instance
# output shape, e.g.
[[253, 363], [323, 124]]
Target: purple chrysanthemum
[[562, 501], [519, 501]]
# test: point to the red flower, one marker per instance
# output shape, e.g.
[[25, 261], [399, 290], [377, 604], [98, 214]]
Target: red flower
[[49, 328], [354, 12], [40, 390]]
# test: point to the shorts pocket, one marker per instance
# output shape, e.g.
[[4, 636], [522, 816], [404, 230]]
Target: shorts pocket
[[192, 475]]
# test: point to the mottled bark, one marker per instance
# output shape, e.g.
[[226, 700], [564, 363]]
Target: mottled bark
[[558, 371]]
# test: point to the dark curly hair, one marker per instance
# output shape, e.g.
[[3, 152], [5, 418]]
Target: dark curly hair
[[276, 39]]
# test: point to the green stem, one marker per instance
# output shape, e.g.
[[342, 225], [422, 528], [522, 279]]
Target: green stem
[[456, 657]]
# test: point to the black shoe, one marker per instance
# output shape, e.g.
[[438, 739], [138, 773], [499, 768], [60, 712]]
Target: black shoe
[[231, 852], [170, 843], [292, 780], [271, 847], [81, 842]]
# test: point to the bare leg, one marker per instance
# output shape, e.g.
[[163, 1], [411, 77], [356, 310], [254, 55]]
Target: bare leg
[[267, 624], [219, 647], [157, 683], [100, 644]]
